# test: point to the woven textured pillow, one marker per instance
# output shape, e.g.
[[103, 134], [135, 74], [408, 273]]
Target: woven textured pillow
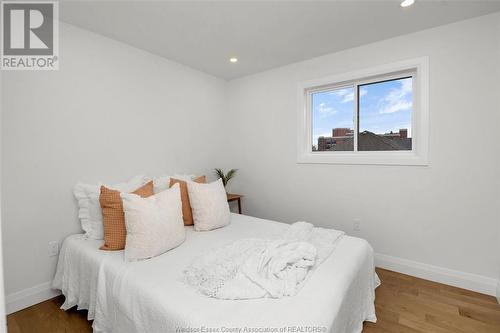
[[187, 215], [209, 205], [113, 217], [154, 224]]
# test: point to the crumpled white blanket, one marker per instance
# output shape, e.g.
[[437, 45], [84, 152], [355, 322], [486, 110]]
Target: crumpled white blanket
[[257, 268]]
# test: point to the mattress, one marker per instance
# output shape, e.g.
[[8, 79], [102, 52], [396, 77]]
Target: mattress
[[149, 296]]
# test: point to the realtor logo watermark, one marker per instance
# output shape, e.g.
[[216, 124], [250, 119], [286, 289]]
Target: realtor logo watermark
[[30, 35]]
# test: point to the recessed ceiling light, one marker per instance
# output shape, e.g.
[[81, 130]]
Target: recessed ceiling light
[[407, 3], [233, 59]]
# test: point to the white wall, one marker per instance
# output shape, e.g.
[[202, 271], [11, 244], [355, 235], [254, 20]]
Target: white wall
[[3, 321], [110, 112], [445, 214]]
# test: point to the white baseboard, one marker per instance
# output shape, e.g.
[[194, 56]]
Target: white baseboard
[[30, 296], [42, 292], [469, 281]]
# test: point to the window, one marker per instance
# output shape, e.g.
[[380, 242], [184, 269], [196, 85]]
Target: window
[[385, 110], [378, 116], [332, 119], [383, 114]]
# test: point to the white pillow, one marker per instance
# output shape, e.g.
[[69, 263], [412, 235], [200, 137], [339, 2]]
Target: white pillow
[[163, 182], [154, 224], [90, 213], [209, 205]]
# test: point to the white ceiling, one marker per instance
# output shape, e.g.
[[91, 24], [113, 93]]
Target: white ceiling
[[263, 35]]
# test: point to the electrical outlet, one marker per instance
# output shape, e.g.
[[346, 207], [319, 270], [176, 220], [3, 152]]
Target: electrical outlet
[[53, 248], [356, 225]]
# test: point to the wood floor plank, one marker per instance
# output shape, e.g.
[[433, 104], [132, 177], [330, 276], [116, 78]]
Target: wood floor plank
[[478, 302], [473, 295], [404, 304], [424, 327], [484, 315], [47, 317], [461, 326], [455, 300]]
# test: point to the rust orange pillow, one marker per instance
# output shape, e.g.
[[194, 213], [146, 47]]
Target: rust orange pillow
[[113, 217], [187, 215]]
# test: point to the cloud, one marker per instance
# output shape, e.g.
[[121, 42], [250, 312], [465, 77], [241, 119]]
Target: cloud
[[347, 94], [407, 85], [341, 92], [348, 97], [325, 110], [396, 107], [398, 99]]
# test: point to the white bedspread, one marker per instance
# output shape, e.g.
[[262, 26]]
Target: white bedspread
[[255, 268], [77, 270], [149, 296]]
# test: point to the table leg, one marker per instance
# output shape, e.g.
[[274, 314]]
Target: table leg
[[239, 205]]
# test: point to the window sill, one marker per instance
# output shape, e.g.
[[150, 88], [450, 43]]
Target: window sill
[[405, 158]]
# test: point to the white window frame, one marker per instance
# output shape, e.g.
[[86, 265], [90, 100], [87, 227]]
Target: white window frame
[[418, 68]]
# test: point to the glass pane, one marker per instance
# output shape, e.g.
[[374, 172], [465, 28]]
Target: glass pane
[[332, 120], [385, 111]]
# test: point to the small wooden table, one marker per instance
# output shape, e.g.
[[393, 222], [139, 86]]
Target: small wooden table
[[235, 197]]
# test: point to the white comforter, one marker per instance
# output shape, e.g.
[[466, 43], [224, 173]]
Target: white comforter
[[256, 268], [149, 296], [77, 272]]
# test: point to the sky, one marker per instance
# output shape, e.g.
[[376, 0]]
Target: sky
[[384, 107]]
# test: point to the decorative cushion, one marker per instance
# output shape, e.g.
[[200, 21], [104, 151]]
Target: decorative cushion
[[113, 217], [89, 211], [209, 205], [154, 224], [187, 216]]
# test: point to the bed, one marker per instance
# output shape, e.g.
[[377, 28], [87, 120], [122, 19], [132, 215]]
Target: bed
[[149, 296]]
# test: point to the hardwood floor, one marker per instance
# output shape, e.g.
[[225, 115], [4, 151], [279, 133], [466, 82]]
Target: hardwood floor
[[404, 304], [47, 317]]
